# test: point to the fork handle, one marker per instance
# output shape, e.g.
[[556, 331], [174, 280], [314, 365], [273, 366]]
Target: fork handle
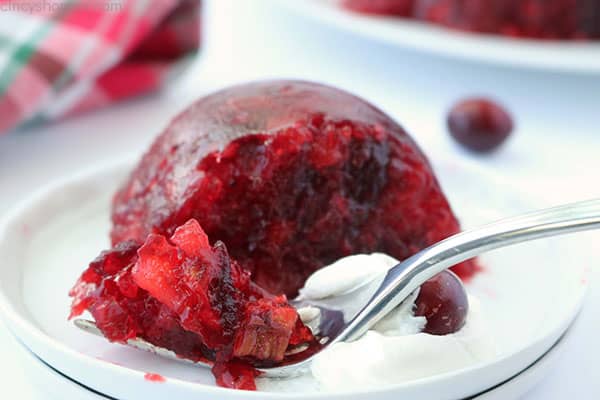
[[411, 273]]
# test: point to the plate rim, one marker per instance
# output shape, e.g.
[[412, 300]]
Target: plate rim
[[549, 357]]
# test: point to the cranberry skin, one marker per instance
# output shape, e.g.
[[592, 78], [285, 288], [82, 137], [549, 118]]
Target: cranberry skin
[[443, 301], [479, 124]]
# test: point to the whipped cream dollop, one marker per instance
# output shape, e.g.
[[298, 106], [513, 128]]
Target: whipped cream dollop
[[395, 350]]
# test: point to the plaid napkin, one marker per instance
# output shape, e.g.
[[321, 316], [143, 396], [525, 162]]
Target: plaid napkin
[[61, 57]]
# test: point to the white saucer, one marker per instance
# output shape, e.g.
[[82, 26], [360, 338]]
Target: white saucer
[[564, 56], [531, 293], [55, 386]]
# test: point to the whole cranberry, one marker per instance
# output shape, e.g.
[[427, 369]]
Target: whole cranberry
[[479, 124], [443, 301]]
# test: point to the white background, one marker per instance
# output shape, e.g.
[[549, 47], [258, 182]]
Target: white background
[[554, 154]]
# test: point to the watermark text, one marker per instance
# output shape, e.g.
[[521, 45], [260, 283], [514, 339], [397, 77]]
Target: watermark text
[[56, 6]]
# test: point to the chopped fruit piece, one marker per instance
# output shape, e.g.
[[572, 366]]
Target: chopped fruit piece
[[188, 296], [266, 331], [479, 124], [443, 301], [291, 176], [155, 271]]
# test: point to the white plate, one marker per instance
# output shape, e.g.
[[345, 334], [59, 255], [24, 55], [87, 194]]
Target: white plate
[[55, 386], [531, 292], [565, 56]]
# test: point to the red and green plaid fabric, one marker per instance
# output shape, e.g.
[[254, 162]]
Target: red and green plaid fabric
[[60, 57]]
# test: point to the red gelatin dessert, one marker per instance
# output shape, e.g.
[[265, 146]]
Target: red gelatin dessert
[[188, 296], [291, 176], [541, 19]]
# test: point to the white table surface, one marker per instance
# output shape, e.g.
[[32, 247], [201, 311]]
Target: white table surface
[[555, 151]]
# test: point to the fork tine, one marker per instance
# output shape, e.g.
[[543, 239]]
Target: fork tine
[[87, 326]]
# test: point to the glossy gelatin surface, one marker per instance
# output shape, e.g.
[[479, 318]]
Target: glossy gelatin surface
[[291, 176]]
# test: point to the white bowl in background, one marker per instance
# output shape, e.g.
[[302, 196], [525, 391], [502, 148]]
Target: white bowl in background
[[562, 55]]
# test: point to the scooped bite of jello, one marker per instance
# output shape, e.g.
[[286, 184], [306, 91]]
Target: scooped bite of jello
[[246, 194]]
